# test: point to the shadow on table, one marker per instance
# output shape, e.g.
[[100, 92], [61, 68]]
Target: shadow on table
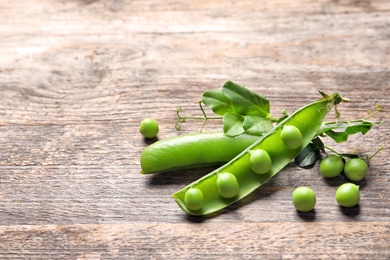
[[266, 190], [341, 179], [352, 212], [181, 177], [263, 192], [307, 216]]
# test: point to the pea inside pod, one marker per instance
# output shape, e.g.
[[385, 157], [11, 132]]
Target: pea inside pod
[[260, 161], [227, 185], [193, 198], [291, 136], [307, 120]]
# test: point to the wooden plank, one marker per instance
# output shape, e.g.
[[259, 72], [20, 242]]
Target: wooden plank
[[77, 77], [211, 241]]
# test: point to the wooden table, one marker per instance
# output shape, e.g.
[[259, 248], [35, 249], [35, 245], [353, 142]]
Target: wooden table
[[78, 76]]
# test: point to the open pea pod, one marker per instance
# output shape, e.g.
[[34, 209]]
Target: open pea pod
[[208, 195]]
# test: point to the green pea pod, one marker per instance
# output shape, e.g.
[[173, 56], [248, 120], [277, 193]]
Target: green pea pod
[[307, 119], [184, 151]]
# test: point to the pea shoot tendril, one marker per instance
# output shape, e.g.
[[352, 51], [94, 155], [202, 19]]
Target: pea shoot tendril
[[205, 117]]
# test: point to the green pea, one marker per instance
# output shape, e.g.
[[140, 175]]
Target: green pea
[[227, 185], [356, 169], [149, 128], [260, 161], [348, 195], [291, 137], [194, 199], [331, 166], [304, 199]]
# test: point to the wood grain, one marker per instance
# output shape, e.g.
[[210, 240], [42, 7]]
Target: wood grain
[[237, 240], [77, 77]]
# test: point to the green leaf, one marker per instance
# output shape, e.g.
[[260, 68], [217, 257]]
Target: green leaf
[[243, 110], [339, 131], [246, 102], [217, 101], [339, 137], [257, 125], [310, 154], [318, 144], [233, 124], [308, 157]]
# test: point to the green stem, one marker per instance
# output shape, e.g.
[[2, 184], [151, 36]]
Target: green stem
[[351, 121], [333, 150], [377, 109], [204, 117], [273, 119], [368, 158]]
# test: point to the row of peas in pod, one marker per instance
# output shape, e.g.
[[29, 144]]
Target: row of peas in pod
[[259, 161]]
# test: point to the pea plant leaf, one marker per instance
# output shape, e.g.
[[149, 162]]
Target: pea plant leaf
[[256, 125], [243, 110], [339, 131], [217, 101], [246, 102], [308, 157], [233, 124], [310, 154], [318, 144]]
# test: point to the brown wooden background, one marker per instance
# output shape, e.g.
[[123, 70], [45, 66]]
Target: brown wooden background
[[77, 77]]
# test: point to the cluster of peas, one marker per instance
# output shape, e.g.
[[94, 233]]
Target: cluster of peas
[[304, 198], [347, 195]]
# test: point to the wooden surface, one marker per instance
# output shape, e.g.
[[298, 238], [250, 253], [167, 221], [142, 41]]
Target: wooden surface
[[77, 77]]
